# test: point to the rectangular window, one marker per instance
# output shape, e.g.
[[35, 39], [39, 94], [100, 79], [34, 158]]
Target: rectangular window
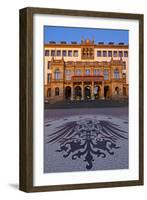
[[116, 74], [78, 72], [97, 72], [114, 53], [48, 65], [120, 54], [125, 53], [52, 52], [57, 75], [75, 53], [64, 53], [106, 74], [49, 78], [87, 72], [47, 52], [98, 53], [109, 53], [104, 53], [68, 74], [58, 53]]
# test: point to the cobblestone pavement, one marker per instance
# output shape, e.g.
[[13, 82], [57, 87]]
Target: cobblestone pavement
[[85, 139]]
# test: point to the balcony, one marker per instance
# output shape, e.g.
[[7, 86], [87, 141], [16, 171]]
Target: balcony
[[87, 78]]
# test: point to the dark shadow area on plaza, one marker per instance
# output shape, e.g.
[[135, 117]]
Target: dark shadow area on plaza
[[86, 104]]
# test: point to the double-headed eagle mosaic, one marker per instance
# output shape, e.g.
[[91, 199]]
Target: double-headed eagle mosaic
[[87, 139]]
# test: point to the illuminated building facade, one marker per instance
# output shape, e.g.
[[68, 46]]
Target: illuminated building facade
[[85, 71]]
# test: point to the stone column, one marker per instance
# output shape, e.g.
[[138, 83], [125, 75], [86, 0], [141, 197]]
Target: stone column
[[102, 90], [92, 91], [110, 91], [82, 91], [72, 92]]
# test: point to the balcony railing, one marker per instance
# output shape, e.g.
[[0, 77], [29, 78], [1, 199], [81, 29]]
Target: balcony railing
[[87, 78]]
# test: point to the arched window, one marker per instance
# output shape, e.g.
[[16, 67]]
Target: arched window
[[57, 74], [56, 91], [49, 92], [116, 74]]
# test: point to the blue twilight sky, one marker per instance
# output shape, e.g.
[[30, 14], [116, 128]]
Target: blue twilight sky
[[68, 34]]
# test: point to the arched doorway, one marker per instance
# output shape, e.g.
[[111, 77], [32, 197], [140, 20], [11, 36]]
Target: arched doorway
[[68, 92], [106, 91], [117, 90], [97, 91], [87, 92], [78, 93], [57, 91]]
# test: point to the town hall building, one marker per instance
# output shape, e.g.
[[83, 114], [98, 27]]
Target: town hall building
[[85, 71]]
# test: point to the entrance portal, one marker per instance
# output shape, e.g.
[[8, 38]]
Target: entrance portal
[[106, 91], [87, 92], [117, 90], [78, 93], [68, 92], [97, 91]]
